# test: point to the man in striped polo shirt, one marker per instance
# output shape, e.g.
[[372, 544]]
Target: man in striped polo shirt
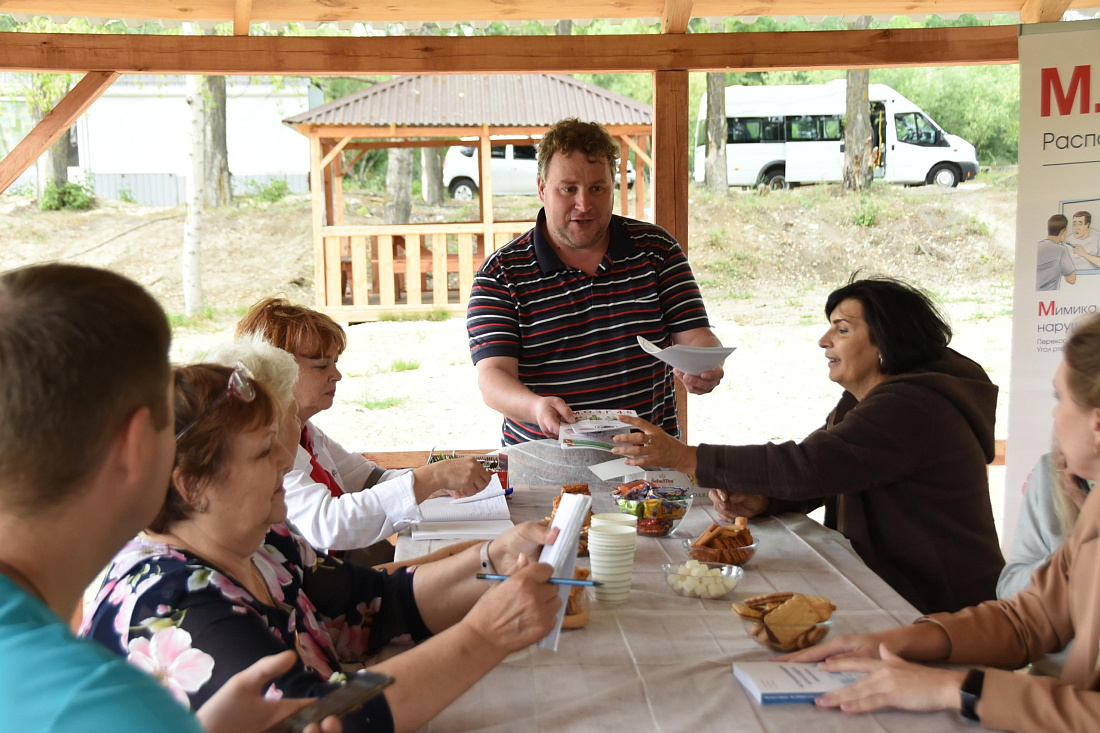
[[554, 315]]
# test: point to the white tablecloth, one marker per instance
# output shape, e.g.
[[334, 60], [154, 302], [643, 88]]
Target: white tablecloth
[[661, 662]]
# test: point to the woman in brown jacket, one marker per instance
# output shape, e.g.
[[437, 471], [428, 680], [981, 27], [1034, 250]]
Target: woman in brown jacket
[[900, 463], [1061, 604]]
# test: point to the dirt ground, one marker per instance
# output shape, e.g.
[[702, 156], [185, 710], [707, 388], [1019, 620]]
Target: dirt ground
[[765, 263]]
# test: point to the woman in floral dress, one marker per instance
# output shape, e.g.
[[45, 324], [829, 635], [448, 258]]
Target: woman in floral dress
[[216, 581]]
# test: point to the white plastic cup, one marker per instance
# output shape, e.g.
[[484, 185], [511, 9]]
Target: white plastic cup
[[611, 557], [614, 518]]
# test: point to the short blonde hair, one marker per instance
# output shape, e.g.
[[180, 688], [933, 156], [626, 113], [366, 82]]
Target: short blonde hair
[[272, 366]]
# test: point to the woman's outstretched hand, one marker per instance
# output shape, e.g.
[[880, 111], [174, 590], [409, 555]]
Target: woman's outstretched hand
[[653, 447]]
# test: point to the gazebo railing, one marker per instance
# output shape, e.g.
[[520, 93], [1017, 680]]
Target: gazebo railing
[[371, 271]]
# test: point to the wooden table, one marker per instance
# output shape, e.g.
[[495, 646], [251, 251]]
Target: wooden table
[[661, 662]]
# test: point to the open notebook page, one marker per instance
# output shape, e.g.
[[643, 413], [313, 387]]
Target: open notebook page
[[446, 509]]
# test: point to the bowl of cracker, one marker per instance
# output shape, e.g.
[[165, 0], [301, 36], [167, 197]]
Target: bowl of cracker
[[786, 621], [731, 544]]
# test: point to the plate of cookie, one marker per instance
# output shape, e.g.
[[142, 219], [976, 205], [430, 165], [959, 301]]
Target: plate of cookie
[[785, 620]]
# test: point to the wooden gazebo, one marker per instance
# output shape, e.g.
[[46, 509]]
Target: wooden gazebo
[[363, 271], [668, 56]]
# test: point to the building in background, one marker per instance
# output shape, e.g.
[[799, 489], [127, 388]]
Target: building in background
[[134, 140]]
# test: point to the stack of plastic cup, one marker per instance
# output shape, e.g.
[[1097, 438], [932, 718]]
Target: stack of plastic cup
[[611, 557], [614, 518]]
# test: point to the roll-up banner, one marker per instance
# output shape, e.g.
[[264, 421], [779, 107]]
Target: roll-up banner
[[1057, 230]]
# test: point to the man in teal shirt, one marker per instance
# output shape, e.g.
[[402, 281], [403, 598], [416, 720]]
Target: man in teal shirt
[[86, 449]]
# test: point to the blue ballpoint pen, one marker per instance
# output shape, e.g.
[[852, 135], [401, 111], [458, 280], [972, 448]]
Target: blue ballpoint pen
[[552, 581]]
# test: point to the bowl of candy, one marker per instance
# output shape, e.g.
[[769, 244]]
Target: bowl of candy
[[658, 509], [786, 621], [695, 579]]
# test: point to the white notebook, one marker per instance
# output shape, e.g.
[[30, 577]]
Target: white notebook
[[477, 530], [562, 555]]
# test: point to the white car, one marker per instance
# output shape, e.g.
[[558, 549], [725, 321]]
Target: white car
[[515, 171]]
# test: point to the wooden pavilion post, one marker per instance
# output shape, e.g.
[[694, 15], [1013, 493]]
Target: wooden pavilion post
[[670, 174], [316, 189]]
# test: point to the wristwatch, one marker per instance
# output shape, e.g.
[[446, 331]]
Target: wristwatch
[[971, 692]]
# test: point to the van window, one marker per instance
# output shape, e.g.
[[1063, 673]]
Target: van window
[[914, 128], [814, 128], [754, 130], [524, 152], [498, 151]]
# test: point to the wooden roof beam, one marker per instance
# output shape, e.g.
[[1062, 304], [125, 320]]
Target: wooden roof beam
[[247, 55], [53, 125], [675, 17], [1043, 11], [242, 17]]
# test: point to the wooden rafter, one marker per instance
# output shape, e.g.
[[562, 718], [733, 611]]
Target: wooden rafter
[[53, 125], [1043, 11], [643, 155], [675, 16], [140, 54], [335, 150], [242, 17], [282, 11]]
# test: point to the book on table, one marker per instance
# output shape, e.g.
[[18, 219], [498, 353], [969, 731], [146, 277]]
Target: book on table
[[445, 518], [594, 429], [771, 683], [562, 554]]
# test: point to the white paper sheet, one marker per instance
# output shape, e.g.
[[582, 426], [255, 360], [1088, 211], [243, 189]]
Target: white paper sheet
[[611, 470], [562, 555], [688, 359], [492, 490]]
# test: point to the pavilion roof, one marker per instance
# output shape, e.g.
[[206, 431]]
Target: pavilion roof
[[496, 100]]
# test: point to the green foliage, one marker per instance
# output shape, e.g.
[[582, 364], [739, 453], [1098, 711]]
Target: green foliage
[[182, 320], [404, 365], [69, 195], [866, 212], [980, 104], [272, 192], [381, 404], [125, 196], [437, 314]]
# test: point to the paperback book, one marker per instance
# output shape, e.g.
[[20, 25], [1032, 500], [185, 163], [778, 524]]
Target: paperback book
[[771, 683]]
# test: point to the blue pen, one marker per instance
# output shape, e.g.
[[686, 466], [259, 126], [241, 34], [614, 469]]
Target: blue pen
[[552, 581], [507, 492]]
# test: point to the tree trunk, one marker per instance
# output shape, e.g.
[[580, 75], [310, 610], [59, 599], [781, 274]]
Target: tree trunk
[[218, 188], [858, 167], [398, 205], [431, 175], [52, 165], [192, 225], [716, 133], [564, 28]]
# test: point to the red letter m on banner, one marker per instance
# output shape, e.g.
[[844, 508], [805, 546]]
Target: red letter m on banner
[[1079, 82]]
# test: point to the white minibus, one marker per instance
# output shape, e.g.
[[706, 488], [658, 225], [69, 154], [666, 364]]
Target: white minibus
[[784, 135]]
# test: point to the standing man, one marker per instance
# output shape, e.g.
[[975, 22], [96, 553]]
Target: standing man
[[86, 449], [555, 314], [1053, 260]]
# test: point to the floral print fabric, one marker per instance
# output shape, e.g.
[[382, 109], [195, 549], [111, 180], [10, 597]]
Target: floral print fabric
[[192, 627]]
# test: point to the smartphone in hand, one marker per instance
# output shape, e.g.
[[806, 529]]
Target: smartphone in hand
[[358, 690]]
